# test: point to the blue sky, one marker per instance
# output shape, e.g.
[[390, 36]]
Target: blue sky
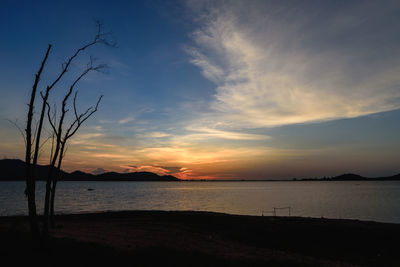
[[216, 89]]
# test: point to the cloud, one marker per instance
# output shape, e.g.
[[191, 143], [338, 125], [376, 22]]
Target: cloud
[[172, 169], [206, 133], [210, 71], [197, 155], [179, 172], [160, 170], [126, 120], [154, 135], [279, 65], [99, 171], [110, 155], [85, 138]]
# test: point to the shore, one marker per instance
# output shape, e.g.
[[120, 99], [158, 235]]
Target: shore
[[187, 238]]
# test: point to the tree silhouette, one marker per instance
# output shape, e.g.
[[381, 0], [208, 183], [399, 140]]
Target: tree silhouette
[[33, 140], [30, 163], [61, 141]]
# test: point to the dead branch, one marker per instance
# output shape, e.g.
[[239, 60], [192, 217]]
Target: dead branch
[[100, 37], [15, 123], [80, 119]]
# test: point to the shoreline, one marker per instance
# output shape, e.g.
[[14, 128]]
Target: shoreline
[[107, 213], [266, 214], [210, 238], [216, 180]]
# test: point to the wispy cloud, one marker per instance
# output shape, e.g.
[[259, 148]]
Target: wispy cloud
[[278, 66], [126, 120], [155, 135], [99, 171], [180, 172], [85, 138], [206, 133]]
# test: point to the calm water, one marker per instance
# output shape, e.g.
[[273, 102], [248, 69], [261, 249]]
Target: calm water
[[378, 201]]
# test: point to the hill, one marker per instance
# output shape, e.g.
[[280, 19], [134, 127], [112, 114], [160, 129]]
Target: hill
[[349, 177], [352, 177], [14, 170]]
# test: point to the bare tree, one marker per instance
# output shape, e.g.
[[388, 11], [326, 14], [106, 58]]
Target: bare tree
[[72, 129], [33, 140], [60, 140], [29, 166]]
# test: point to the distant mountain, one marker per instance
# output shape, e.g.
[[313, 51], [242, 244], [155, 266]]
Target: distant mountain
[[395, 177], [14, 170], [348, 177], [353, 177]]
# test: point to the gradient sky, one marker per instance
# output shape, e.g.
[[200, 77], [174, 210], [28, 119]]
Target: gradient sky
[[216, 89]]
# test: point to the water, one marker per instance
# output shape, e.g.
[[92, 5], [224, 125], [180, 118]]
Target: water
[[372, 200]]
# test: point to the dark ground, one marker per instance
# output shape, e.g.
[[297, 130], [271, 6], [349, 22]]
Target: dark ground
[[159, 238]]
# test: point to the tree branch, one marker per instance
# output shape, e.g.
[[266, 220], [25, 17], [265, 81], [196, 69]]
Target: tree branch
[[19, 129], [79, 120], [100, 37], [50, 119]]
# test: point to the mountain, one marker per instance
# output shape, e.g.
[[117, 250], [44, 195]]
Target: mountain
[[14, 170], [348, 177], [395, 177], [356, 177], [135, 176], [352, 177]]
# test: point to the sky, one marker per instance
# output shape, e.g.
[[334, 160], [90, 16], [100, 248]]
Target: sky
[[214, 89]]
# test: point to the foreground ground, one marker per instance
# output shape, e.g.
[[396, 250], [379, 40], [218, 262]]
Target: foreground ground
[[157, 238]]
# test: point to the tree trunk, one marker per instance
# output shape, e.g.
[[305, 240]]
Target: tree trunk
[[30, 168], [54, 185], [46, 212], [30, 192], [53, 193], [47, 203]]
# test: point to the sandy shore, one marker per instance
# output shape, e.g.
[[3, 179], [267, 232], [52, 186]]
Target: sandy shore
[[155, 238]]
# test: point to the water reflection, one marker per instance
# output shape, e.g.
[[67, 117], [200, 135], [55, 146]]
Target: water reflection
[[366, 200]]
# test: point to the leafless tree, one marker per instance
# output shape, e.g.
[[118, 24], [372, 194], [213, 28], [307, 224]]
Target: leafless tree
[[61, 141], [29, 165], [72, 129], [33, 140]]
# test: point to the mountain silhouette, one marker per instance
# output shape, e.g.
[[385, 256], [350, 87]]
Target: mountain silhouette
[[348, 176], [14, 170], [352, 177]]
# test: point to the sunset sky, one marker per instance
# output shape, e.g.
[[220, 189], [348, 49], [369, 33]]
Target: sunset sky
[[216, 89]]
